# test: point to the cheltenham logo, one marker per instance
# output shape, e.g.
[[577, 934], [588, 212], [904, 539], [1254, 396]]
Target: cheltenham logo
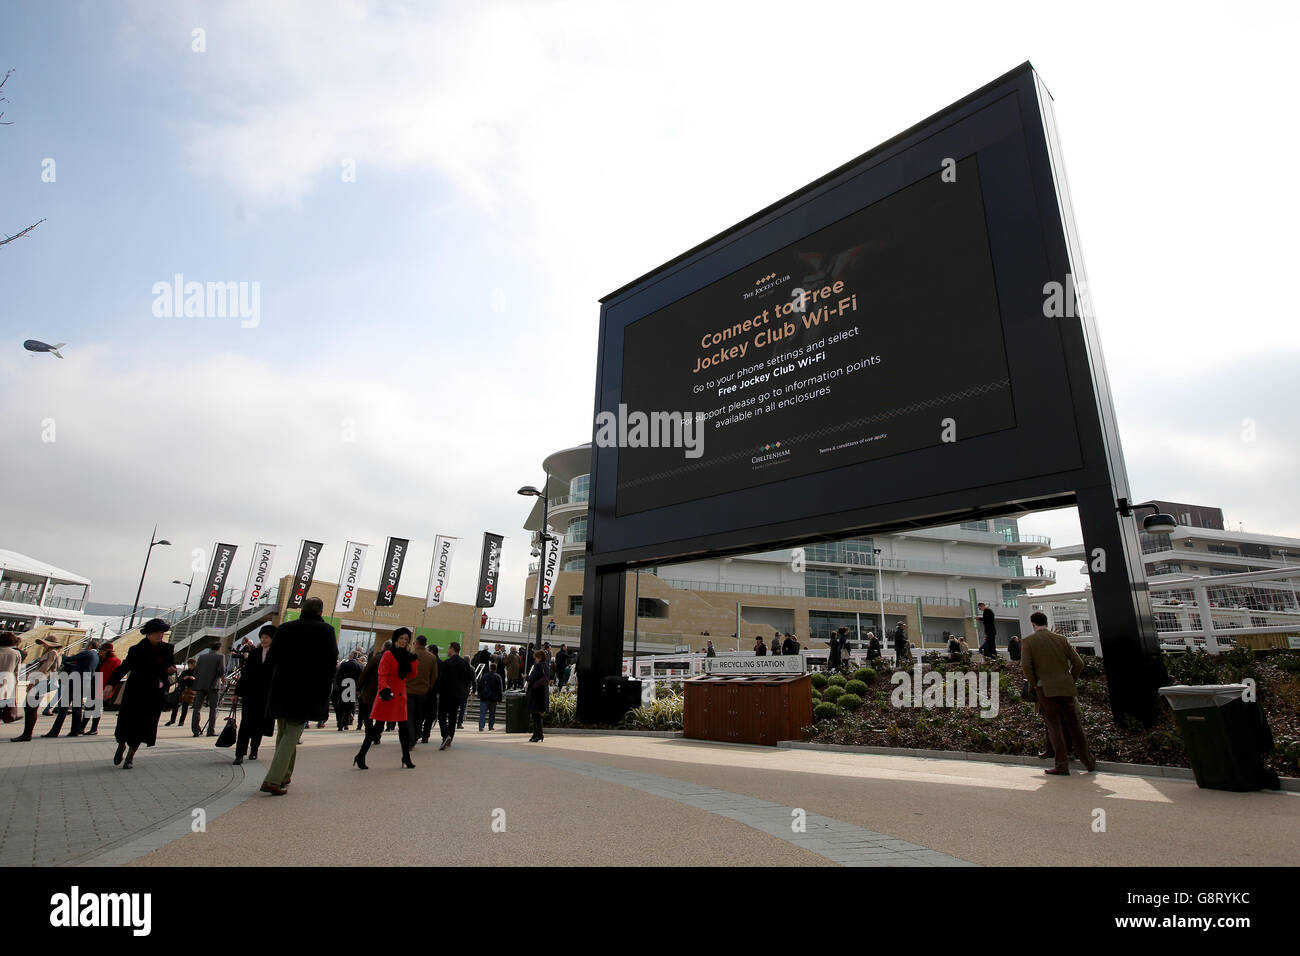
[[77, 909]]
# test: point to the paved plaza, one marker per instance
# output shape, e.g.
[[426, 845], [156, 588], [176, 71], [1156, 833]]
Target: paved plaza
[[592, 799]]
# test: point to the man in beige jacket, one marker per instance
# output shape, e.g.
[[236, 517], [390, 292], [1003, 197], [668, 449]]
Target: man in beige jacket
[[1052, 665]]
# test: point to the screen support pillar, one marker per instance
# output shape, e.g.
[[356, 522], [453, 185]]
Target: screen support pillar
[[601, 652], [1122, 604]]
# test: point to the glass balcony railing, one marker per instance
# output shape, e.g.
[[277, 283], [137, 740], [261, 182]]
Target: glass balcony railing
[[575, 499]]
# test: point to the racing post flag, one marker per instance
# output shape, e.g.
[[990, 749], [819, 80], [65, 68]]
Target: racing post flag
[[304, 572], [354, 557], [223, 555], [489, 570], [259, 574], [440, 570], [394, 558]]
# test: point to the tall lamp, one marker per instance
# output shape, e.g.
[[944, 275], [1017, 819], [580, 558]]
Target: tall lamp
[[152, 544]]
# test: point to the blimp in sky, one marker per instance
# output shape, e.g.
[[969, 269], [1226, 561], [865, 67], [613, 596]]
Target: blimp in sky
[[33, 345]]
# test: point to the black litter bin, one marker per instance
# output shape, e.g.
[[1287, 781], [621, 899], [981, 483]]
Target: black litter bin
[[1226, 737], [517, 721]]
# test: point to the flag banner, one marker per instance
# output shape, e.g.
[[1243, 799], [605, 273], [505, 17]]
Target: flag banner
[[440, 569], [394, 558], [354, 557], [304, 573], [548, 570], [259, 574], [222, 557], [489, 569]]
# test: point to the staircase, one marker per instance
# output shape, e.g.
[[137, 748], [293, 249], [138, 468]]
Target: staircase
[[226, 619]]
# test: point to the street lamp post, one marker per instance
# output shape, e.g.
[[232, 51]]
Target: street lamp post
[[190, 584], [530, 491], [152, 544]]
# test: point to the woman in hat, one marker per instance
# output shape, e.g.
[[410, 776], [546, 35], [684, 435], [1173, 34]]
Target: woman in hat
[[539, 694], [395, 666], [146, 668], [40, 672]]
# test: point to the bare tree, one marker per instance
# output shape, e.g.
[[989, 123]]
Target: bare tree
[[3, 122]]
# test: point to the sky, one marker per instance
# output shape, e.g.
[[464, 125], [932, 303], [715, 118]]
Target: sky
[[432, 198]]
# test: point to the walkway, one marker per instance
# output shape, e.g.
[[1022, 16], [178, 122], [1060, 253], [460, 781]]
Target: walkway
[[493, 799]]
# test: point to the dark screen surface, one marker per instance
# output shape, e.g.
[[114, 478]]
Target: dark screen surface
[[876, 335]]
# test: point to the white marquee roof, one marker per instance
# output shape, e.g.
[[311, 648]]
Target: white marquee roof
[[13, 561]]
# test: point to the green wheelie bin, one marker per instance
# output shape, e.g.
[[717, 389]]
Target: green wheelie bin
[[1226, 737]]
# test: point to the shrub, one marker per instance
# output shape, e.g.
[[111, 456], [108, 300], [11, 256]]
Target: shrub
[[1194, 667], [848, 701], [563, 711], [664, 714], [856, 687], [819, 681], [832, 691], [867, 675], [826, 712], [1288, 662], [838, 679], [816, 696]]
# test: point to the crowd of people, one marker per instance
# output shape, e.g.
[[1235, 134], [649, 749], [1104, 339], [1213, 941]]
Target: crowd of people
[[289, 678]]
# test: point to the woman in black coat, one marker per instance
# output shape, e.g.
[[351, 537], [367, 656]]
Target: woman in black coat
[[251, 690], [539, 693], [148, 663]]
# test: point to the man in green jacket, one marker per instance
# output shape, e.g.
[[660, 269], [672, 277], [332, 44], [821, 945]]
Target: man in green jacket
[[1051, 665]]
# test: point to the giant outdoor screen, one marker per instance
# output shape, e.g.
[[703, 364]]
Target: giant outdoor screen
[[884, 348], [876, 335]]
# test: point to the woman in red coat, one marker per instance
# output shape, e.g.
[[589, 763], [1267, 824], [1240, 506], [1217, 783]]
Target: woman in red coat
[[395, 666]]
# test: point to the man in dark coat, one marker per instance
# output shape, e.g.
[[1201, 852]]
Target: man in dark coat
[[789, 645], [80, 668], [300, 671], [455, 677], [347, 681], [833, 656], [538, 684], [990, 646], [251, 691], [902, 648], [430, 713]]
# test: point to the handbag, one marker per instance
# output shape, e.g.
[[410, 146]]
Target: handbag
[[230, 731], [9, 713], [1028, 693], [188, 695]]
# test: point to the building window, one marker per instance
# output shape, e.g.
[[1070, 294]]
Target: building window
[[575, 564], [578, 488], [577, 531], [852, 585], [651, 607], [575, 605]]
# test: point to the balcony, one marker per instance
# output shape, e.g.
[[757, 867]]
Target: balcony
[[563, 500]]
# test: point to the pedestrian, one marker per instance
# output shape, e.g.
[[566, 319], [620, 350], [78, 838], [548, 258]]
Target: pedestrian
[[11, 659], [1013, 647], [184, 694], [902, 647], [41, 679], [431, 698], [539, 694], [300, 669], [418, 685], [454, 680], [550, 627], [250, 694], [512, 670], [873, 647], [989, 647], [954, 646], [396, 666], [776, 644], [208, 672], [80, 669], [109, 662], [343, 693], [709, 651], [563, 664], [146, 667], [483, 622], [789, 645], [760, 649], [525, 658], [1051, 666], [833, 656], [490, 692]]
